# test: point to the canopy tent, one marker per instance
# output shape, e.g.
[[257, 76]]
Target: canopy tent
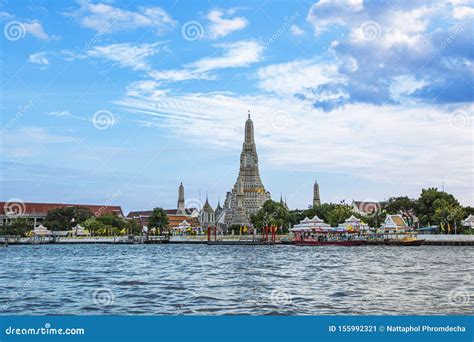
[[79, 230], [41, 231], [469, 221], [311, 224]]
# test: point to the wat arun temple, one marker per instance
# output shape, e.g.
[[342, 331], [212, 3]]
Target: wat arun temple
[[248, 194]]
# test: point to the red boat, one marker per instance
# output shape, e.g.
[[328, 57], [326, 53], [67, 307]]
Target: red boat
[[322, 237]]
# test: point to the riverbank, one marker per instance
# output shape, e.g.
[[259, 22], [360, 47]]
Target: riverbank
[[434, 240]]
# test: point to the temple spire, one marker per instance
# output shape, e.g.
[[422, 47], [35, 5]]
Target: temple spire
[[316, 196], [249, 130], [181, 209]]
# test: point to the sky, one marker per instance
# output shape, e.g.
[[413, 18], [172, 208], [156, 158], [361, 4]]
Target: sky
[[117, 102]]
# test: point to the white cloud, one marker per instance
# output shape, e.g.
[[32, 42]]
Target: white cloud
[[146, 89], [327, 13], [36, 29], [414, 145], [296, 30], [40, 58], [106, 18], [60, 113], [126, 54], [221, 27], [237, 54], [296, 76]]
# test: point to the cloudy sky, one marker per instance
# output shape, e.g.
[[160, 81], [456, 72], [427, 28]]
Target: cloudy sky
[[120, 101]]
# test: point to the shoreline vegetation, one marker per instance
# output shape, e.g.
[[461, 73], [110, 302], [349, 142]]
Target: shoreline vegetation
[[431, 208]]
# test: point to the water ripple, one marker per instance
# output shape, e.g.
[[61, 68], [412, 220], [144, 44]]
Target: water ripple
[[234, 280]]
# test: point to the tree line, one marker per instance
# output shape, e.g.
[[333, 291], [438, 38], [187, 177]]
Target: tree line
[[432, 207]]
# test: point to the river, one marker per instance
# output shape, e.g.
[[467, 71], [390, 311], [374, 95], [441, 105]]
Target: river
[[173, 279]]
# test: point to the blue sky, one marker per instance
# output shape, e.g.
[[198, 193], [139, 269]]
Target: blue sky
[[118, 102]]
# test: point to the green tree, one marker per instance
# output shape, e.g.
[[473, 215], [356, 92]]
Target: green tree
[[429, 200], [133, 228], [18, 226], [447, 212], [112, 220], [158, 219], [272, 213], [403, 205], [321, 211], [62, 218], [338, 214]]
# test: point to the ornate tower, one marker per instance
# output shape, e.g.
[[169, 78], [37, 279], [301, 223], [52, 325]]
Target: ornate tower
[[316, 198], [248, 193], [181, 209]]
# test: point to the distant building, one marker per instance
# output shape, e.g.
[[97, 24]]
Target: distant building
[[207, 216], [38, 211], [394, 223], [283, 202], [316, 197], [180, 207], [248, 194], [367, 207], [175, 216]]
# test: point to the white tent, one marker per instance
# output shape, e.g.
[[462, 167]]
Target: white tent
[[78, 230], [41, 231], [309, 224], [469, 222]]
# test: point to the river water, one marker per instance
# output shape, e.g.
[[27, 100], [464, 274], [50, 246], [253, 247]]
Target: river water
[[242, 280]]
